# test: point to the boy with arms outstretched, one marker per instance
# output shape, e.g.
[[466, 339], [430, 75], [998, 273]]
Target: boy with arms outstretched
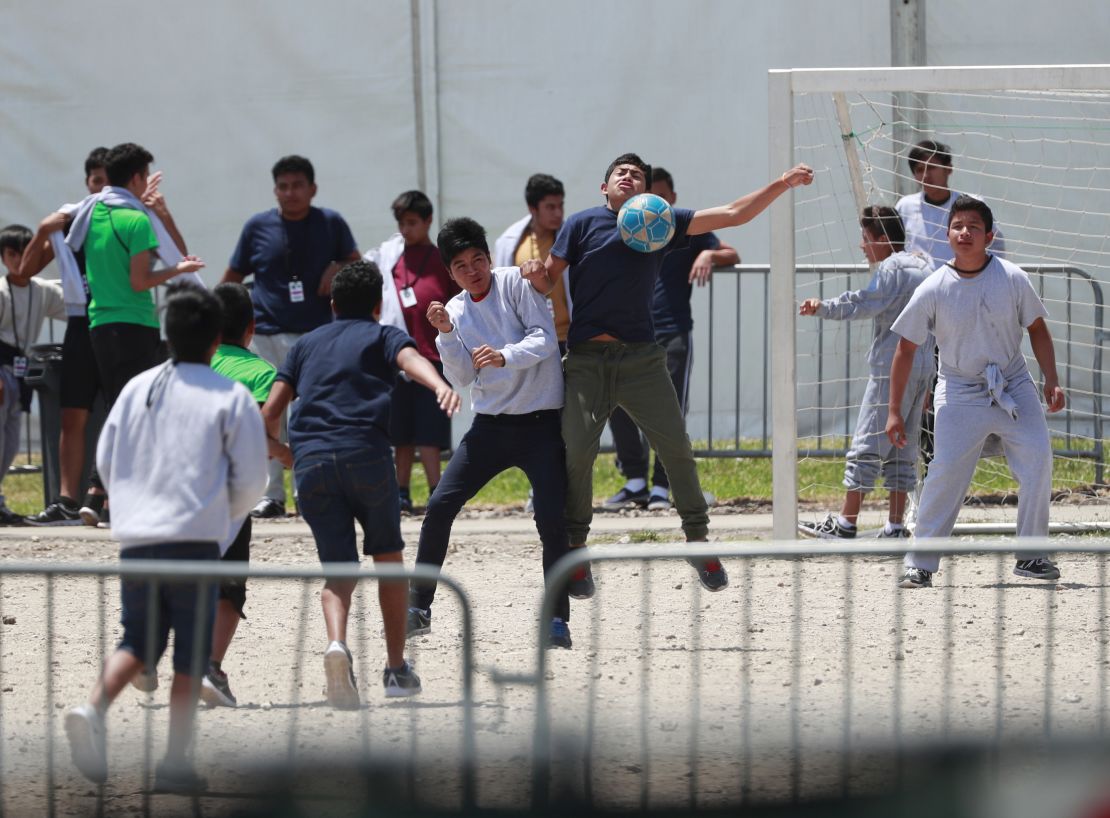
[[342, 373], [612, 358], [897, 276], [497, 337], [977, 306]]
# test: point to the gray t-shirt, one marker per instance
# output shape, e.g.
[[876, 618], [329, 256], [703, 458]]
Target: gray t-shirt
[[513, 319], [890, 288], [977, 321]]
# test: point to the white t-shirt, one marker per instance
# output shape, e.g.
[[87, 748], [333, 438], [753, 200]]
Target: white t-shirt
[[22, 320], [926, 226], [976, 321]]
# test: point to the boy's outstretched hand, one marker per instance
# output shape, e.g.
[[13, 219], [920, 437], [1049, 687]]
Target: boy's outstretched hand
[[448, 399], [798, 175], [438, 317], [534, 272]]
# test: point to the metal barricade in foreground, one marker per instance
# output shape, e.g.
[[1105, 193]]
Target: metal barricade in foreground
[[813, 678], [285, 747]]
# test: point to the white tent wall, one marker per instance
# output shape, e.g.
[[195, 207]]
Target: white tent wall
[[218, 90]]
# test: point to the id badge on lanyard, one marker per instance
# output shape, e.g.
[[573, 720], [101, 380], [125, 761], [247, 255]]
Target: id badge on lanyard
[[296, 291], [408, 297], [19, 366]]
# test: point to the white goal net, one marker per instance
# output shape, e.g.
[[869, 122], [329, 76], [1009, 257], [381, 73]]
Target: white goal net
[[1035, 144]]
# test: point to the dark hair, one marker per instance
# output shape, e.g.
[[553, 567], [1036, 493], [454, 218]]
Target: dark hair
[[541, 185], [965, 203], [235, 300], [15, 237], [662, 175], [882, 221], [458, 235], [123, 161], [193, 320], [929, 151], [97, 158], [628, 159], [294, 164], [357, 289], [412, 201]]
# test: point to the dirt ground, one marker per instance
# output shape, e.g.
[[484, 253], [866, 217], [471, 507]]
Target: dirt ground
[[803, 680]]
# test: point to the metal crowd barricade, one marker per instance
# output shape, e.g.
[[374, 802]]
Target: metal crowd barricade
[[841, 707], [30, 757]]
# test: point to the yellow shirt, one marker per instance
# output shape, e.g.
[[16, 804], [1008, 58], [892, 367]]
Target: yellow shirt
[[529, 248]]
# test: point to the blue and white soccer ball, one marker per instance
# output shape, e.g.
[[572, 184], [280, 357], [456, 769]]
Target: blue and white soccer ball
[[646, 223]]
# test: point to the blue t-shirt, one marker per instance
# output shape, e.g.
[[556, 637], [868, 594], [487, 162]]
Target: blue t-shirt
[[671, 308], [343, 374], [275, 251], [611, 285]]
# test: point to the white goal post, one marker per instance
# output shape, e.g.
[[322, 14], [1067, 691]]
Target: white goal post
[[1043, 98]]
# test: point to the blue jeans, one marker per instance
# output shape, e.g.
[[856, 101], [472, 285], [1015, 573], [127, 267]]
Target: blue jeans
[[188, 608], [334, 489]]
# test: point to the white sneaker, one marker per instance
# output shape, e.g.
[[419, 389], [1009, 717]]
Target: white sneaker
[[339, 669], [85, 731]]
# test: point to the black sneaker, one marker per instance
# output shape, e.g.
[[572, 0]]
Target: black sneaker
[[419, 622], [916, 578], [581, 583], [830, 529], [406, 501], [626, 499], [268, 509], [92, 508], [559, 636], [902, 533], [178, 779], [400, 682], [62, 511], [1039, 568], [711, 574], [214, 689], [9, 517]]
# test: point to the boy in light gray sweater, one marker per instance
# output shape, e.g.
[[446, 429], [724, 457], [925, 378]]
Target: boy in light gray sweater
[[498, 337], [183, 453]]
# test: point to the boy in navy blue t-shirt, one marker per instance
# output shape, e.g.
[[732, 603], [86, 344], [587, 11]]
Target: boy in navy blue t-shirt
[[612, 358], [342, 374]]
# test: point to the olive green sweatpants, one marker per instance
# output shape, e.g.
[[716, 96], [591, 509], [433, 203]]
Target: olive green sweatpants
[[601, 375]]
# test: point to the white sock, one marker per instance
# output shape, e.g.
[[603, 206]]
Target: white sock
[[659, 491], [636, 484], [893, 527], [844, 522]]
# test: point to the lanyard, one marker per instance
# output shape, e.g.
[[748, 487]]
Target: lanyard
[[287, 252], [423, 266]]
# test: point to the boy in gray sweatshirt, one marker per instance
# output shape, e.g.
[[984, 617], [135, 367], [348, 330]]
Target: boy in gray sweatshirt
[[183, 453], [498, 337]]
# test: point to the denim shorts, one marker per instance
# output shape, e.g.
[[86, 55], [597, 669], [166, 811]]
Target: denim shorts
[[188, 608], [334, 489]]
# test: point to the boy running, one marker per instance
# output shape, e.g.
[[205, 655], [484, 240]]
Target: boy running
[[612, 358], [497, 337], [342, 374], [977, 306], [183, 453]]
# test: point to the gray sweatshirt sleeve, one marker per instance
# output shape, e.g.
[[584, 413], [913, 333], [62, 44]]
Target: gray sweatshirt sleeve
[[245, 445], [458, 366], [539, 339], [879, 294]]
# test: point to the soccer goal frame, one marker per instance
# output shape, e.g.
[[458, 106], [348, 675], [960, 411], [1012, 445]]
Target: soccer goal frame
[[783, 85]]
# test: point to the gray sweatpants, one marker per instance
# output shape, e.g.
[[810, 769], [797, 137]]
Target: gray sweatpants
[[960, 433], [871, 450]]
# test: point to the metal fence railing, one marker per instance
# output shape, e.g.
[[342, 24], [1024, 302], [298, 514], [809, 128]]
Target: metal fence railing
[[812, 678]]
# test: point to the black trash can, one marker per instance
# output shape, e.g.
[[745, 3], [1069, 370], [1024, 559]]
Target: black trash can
[[44, 374]]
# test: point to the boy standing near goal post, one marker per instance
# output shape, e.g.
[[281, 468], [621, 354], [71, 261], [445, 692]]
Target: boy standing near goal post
[[612, 358], [897, 276], [976, 306]]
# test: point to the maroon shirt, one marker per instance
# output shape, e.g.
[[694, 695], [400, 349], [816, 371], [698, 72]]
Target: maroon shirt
[[422, 269]]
